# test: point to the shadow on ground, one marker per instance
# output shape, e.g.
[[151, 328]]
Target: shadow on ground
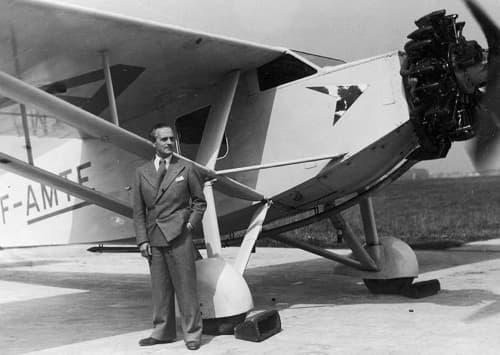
[[317, 283]]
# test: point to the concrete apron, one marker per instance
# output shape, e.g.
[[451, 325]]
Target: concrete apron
[[64, 300]]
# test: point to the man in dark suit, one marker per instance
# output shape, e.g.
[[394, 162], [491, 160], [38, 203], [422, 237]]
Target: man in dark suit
[[168, 205]]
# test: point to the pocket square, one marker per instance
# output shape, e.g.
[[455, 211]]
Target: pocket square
[[180, 178]]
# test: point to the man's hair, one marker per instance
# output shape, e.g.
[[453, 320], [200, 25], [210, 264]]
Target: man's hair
[[152, 133]]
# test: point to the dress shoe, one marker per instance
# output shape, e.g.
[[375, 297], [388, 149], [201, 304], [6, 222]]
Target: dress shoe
[[152, 341], [193, 345]]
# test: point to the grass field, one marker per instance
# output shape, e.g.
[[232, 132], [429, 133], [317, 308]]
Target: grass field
[[424, 212]]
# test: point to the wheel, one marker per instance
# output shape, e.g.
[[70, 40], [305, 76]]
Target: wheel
[[388, 286], [222, 326]]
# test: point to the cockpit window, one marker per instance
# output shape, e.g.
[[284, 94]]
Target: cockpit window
[[190, 129], [282, 70]]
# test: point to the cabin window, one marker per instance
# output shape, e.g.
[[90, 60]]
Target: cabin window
[[190, 129], [282, 70]]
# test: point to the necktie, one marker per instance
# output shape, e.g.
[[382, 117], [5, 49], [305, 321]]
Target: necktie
[[162, 169]]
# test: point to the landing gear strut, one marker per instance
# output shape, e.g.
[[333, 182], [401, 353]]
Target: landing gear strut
[[396, 263], [389, 249]]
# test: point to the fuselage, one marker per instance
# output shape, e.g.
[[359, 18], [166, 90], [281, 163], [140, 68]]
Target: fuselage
[[355, 110]]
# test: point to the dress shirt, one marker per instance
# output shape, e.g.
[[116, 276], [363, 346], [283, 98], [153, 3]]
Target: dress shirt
[[157, 162]]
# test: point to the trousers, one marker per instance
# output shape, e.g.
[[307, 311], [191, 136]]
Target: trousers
[[173, 274]]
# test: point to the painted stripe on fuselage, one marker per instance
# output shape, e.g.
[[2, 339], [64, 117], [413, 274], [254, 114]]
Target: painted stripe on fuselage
[[56, 213]]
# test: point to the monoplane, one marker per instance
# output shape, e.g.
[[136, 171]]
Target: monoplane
[[278, 133]]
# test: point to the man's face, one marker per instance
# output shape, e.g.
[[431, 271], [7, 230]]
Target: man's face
[[164, 142]]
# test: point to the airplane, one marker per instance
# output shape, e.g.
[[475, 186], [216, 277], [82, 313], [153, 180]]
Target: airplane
[[277, 133]]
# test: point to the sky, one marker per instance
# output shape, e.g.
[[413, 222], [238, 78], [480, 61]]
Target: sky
[[348, 30]]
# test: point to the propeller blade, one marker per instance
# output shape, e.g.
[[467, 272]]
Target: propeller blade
[[486, 143], [487, 115]]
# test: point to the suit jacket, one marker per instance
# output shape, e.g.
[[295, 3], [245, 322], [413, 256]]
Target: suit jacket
[[178, 200]]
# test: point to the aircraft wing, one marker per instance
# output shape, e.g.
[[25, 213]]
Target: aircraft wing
[[57, 47]]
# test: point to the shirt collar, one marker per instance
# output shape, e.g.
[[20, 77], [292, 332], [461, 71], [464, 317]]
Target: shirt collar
[[157, 161]]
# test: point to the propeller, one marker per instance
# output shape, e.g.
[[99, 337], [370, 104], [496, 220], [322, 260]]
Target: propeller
[[487, 113]]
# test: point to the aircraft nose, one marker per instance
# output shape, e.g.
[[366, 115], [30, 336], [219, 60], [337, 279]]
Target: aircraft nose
[[442, 74]]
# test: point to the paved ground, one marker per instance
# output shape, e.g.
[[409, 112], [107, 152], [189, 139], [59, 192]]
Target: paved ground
[[64, 300]]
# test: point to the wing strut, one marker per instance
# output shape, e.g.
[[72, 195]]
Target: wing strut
[[22, 107], [82, 192], [21, 92], [95, 126], [109, 88], [250, 237], [333, 158], [207, 155]]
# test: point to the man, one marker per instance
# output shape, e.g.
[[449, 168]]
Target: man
[[168, 205]]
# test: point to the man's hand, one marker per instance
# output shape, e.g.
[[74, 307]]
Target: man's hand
[[145, 250]]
